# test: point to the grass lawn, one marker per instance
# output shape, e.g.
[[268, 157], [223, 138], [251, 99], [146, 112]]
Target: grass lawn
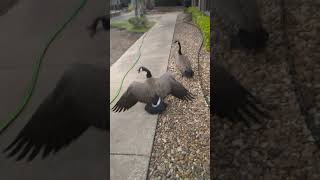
[[124, 24]]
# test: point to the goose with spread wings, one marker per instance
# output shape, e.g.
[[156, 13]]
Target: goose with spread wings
[[152, 92], [77, 103]]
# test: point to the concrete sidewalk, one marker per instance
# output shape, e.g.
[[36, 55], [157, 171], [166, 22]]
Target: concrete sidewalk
[[132, 132]]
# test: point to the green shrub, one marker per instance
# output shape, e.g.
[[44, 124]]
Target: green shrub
[[139, 22], [130, 7], [134, 24], [203, 22]]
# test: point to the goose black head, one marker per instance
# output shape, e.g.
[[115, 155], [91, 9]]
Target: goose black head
[[149, 75], [253, 40], [105, 24]]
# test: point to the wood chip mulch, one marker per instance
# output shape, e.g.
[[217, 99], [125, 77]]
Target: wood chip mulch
[[182, 142]]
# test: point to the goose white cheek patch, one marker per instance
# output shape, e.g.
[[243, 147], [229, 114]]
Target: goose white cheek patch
[[158, 103]]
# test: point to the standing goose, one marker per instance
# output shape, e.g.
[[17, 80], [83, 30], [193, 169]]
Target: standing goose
[[105, 24], [152, 92], [243, 14], [77, 103], [183, 63]]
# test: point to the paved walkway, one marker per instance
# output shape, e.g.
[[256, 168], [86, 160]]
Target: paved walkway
[[121, 40], [132, 132], [123, 16], [24, 32]]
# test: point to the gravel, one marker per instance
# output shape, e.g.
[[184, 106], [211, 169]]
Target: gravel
[[181, 145], [284, 148]]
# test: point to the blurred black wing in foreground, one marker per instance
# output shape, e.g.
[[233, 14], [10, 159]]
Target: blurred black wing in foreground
[[105, 20], [231, 100], [77, 102]]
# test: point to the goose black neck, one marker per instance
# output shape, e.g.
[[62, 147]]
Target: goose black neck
[[105, 22], [147, 71], [179, 47]]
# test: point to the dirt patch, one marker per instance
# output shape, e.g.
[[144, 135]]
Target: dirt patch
[[120, 42], [181, 146], [6, 5]]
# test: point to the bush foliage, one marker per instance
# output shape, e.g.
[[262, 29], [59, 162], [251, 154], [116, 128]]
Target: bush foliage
[[203, 22], [133, 24], [139, 22]]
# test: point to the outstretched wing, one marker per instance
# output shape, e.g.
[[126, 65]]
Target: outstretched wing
[[77, 102], [136, 92], [54, 125], [177, 89], [127, 100]]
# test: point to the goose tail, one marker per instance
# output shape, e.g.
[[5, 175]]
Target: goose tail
[[189, 73]]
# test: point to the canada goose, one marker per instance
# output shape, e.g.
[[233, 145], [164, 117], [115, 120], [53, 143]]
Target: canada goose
[[77, 103], [230, 97], [183, 63], [105, 24], [152, 92], [245, 15]]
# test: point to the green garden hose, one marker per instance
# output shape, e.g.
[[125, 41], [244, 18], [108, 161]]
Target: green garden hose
[[133, 65], [35, 72]]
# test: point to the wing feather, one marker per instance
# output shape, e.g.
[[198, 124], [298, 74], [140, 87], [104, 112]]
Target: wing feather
[[177, 89]]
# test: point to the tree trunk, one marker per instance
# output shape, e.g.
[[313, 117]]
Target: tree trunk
[[136, 9], [150, 4]]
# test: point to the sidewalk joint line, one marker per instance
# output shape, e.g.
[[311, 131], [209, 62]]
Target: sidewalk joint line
[[127, 154]]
